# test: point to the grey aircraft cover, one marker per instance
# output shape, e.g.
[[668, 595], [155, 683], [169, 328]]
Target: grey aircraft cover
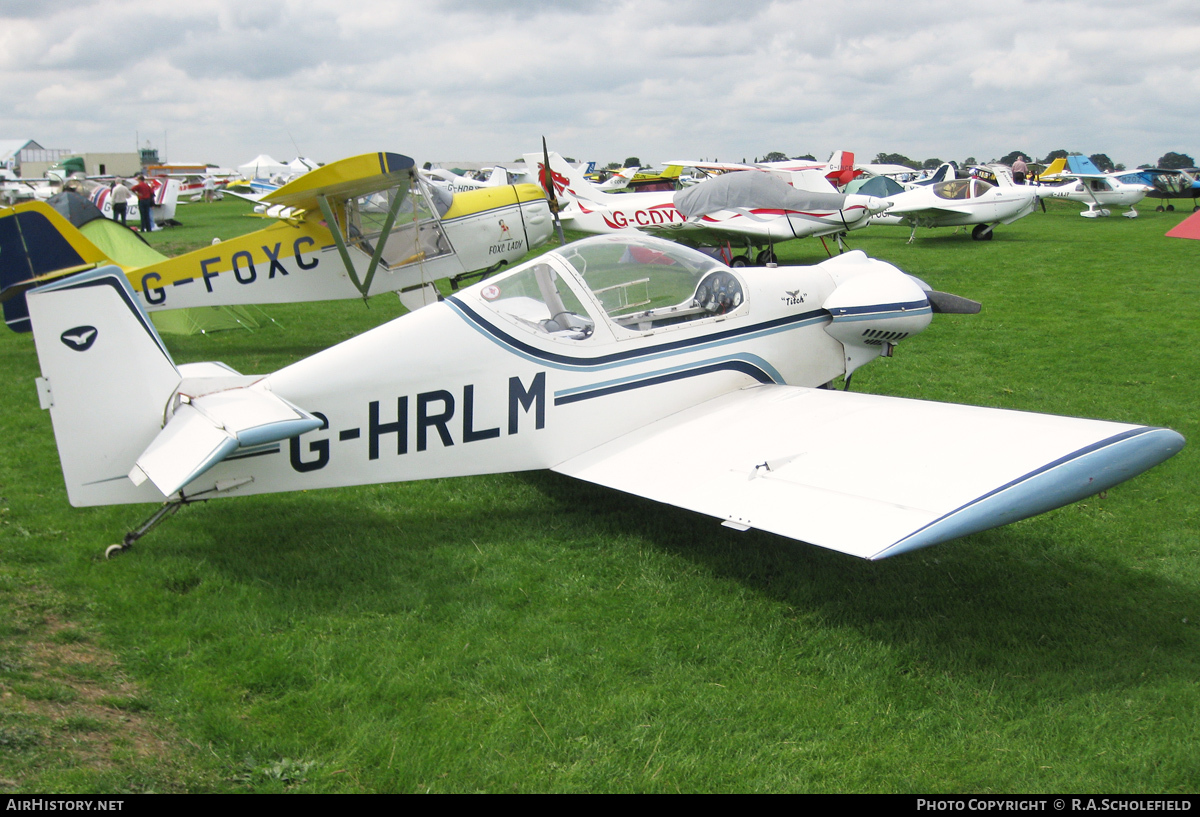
[[752, 190]]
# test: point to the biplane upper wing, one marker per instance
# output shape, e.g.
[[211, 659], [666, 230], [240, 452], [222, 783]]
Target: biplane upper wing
[[346, 178], [868, 475]]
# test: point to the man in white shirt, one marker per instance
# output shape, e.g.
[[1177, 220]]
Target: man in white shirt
[[119, 195]]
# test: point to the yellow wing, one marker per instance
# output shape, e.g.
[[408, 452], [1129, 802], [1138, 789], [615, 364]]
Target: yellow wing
[[345, 178]]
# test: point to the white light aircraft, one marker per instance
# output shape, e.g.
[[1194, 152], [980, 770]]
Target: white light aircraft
[[1097, 190], [623, 360], [962, 202], [166, 198], [352, 228], [457, 183], [748, 226]]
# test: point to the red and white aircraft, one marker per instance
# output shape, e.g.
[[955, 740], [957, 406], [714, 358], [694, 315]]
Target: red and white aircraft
[[755, 227]]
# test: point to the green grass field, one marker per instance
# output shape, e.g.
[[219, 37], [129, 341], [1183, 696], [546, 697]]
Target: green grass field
[[532, 633]]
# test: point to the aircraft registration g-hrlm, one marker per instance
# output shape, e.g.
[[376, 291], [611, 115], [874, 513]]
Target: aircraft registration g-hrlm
[[379, 227], [749, 227], [626, 360]]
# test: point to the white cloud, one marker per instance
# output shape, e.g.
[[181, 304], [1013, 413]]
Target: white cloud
[[462, 79]]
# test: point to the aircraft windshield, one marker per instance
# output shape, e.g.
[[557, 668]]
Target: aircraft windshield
[[961, 188], [957, 189], [645, 283], [416, 234], [536, 298]]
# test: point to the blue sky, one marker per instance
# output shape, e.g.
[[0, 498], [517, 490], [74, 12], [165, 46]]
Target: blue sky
[[221, 81]]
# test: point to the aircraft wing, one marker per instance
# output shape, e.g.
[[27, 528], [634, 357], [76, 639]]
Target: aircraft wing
[[347, 178], [868, 475], [721, 167]]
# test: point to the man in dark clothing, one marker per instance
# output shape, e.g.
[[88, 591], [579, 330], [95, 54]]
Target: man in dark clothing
[[145, 196]]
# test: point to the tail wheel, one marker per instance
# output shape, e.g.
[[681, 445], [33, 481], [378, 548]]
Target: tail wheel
[[766, 257], [982, 232], [740, 261]]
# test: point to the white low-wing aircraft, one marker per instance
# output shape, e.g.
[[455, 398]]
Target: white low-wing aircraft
[[962, 202], [751, 227], [624, 360], [352, 228]]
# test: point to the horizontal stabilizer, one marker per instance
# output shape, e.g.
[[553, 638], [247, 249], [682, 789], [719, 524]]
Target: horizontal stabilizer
[[205, 430], [868, 475]]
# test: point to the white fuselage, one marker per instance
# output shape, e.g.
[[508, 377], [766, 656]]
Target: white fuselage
[[1105, 192], [484, 388], [599, 213], [940, 206]]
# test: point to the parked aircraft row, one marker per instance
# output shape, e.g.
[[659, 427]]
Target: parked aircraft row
[[605, 359]]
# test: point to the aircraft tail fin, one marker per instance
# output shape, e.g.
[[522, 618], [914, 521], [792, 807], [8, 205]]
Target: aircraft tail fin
[[569, 183], [1053, 169], [107, 380], [841, 168], [841, 160], [38, 245], [130, 425], [1082, 164]]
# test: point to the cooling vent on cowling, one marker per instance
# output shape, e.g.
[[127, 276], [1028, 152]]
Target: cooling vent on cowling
[[877, 337]]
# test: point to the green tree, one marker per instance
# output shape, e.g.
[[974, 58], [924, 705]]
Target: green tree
[[1102, 161], [1175, 161], [775, 156], [894, 159], [632, 161], [1055, 154], [1009, 158], [931, 164]]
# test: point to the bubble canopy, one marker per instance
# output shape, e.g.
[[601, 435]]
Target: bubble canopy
[[631, 283]]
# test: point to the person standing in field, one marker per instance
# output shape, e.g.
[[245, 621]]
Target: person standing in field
[[145, 196], [120, 201], [1020, 170]]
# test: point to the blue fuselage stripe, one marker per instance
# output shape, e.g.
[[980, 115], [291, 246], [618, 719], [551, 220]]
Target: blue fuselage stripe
[[633, 355]]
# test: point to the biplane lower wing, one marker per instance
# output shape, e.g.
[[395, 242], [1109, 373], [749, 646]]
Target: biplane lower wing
[[867, 475]]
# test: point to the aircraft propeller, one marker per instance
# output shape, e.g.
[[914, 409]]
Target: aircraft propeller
[[547, 179], [947, 303]]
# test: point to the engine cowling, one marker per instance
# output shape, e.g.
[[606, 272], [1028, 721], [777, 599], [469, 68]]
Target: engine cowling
[[874, 310]]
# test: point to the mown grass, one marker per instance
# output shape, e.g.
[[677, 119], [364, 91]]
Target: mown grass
[[532, 633]]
